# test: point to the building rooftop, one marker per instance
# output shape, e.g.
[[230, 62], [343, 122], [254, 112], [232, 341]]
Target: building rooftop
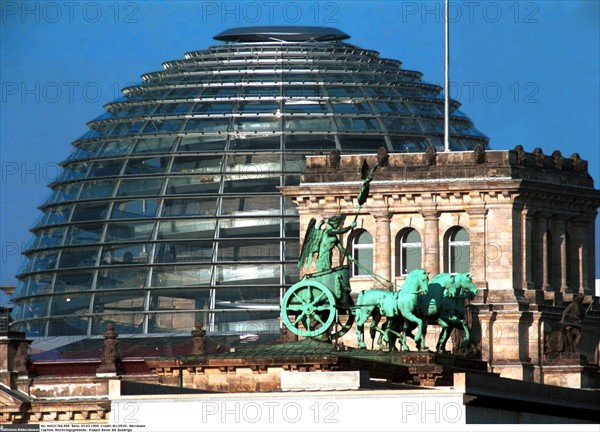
[[281, 33]]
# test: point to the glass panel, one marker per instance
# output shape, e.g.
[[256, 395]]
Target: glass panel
[[305, 106], [323, 143], [358, 124], [122, 277], [247, 274], [207, 124], [36, 307], [258, 107], [368, 144], [202, 143], [267, 205], [412, 236], [248, 322], [193, 185], [251, 142], [55, 215], [309, 124], [460, 235], [70, 304], [156, 126], [48, 238], [292, 250], [459, 259], [74, 171], [260, 124], [197, 164], [90, 211], [248, 250], [364, 238], [214, 107], [294, 163], [103, 168], [97, 189], [181, 252], [176, 322], [84, 234], [37, 284], [74, 281], [155, 144], [117, 310], [72, 326], [127, 254], [66, 192], [118, 147], [173, 108], [41, 261], [190, 207], [409, 144], [253, 163], [246, 227], [302, 91], [411, 258], [180, 299], [134, 208], [180, 275], [126, 231], [351, 107], [240, 298], [124, 324], [187, 229], [251, 183], [154, 165], [73, 257], [144, 186]]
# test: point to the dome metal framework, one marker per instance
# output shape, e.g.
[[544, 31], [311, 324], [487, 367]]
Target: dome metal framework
[[167, 211]]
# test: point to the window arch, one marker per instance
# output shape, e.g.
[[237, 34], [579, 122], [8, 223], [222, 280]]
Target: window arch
[[409, 249], [458, 251], [362, 251]]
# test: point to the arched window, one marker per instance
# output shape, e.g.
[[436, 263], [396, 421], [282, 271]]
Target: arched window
[[409, 250], [362, 252], [458, 251]]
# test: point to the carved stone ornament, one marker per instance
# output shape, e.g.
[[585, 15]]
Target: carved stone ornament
[[382, 157], [198, 335], [109, 359], [479, 154], [521, 155], [22, 362], [559, 161], [539, 157], [578, 163], [335, 158], [430, 155]]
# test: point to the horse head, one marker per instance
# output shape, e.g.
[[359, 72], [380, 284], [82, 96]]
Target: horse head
[[465, 285], [422, 280], [447, 282]]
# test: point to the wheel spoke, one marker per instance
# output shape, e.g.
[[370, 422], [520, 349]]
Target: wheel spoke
[[322, 308], [315, 301], [295, 307], [299, 318], [318, 318], [300, 299]]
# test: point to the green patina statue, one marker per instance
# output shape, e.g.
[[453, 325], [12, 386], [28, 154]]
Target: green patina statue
[[322, 240]]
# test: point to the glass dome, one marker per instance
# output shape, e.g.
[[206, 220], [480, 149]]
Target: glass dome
[[167, 212]]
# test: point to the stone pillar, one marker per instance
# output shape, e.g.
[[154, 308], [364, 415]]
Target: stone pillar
[[527, 230], [431, 243], [560, 253], [540, 255], [14, 360], [589, 288], [382, 261], [478, 265], [583, 237]]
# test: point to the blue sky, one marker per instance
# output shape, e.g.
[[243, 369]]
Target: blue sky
[[526, 72]]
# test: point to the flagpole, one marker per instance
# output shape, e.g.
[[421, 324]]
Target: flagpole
[[446, 77]]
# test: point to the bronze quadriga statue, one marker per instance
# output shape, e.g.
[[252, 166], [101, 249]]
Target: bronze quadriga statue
[[320, 305]]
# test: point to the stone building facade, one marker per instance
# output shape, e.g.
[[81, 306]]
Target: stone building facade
[[521, 223]]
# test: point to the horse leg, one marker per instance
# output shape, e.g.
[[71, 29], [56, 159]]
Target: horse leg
[[360, 327], [467, 338], [409, 316], [443, 336]]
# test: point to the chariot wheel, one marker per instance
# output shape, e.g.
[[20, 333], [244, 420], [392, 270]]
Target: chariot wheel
[[343, 322], [308, 308]]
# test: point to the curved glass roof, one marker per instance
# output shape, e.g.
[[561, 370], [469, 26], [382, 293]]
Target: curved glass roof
[[168, 212]]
